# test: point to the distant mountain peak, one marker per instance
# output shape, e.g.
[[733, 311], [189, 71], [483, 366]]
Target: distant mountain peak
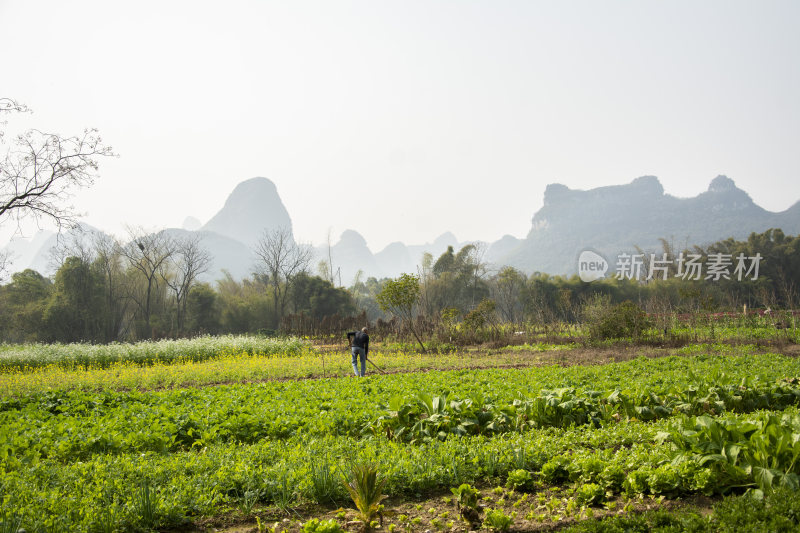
[[648, 184], [254, 186], [351, 237], [191, 224], [252, 208], [722, 184], [555, 192], [446, 239]]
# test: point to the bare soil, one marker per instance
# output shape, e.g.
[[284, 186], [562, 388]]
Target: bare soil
[[547, 509]]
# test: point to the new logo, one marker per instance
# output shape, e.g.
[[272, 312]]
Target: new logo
[[591, 266]]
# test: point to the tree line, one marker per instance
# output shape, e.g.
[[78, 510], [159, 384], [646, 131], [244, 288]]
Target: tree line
[[148, 288], [105, 291]]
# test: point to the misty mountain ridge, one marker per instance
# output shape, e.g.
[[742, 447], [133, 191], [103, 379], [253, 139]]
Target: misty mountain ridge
[[619, 218], [609, 220]]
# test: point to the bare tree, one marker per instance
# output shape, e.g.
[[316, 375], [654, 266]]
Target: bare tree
[[148, 253], [5, 262], [190, 260], [280, 259], [77, 242], [40, 170]]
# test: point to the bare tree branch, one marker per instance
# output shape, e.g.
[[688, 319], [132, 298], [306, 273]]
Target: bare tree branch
[[149, 253], [5, 264], [280, 260], [190, 260], [40, 171]]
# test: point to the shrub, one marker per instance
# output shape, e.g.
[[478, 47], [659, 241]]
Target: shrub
[[618, 322]]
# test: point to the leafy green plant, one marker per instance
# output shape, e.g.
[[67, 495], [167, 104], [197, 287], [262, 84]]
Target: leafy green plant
[[763, 452], [497, 520], [519, 479], [366, 487], [466, 496], [555, 470], [322, 526], [467, 503], [665, 480], [636, 482], [590, 494]]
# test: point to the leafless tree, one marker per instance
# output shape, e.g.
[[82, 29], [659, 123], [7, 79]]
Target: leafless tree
[[280, 259], [5, 262], [148, 253], [77, 242], [40, 171], [190, 260]]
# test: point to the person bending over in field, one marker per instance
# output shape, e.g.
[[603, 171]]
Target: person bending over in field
[[359, 345]]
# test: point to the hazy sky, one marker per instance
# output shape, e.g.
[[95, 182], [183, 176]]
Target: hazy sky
[[403, 120]]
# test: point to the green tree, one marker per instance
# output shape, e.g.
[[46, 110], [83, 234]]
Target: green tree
[[364, 294], [508, 289], [108, 263], [400, 297], [244, 306], [457, 280], [202, 310], [74, 311], [22, 304], [318, 298]]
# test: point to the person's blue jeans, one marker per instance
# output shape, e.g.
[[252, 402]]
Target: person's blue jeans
[[359, 352]]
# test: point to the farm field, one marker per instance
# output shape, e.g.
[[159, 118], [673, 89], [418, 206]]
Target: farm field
[[248, 434]]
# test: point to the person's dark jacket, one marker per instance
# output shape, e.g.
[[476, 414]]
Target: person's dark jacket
[[359, 339]]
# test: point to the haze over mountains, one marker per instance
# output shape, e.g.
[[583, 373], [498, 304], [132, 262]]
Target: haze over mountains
[[608, 220], [621, 217]]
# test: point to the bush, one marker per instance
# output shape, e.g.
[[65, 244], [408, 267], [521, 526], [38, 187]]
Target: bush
[[625, 320]]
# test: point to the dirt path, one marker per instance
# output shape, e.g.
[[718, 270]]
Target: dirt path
[[546, 509]]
